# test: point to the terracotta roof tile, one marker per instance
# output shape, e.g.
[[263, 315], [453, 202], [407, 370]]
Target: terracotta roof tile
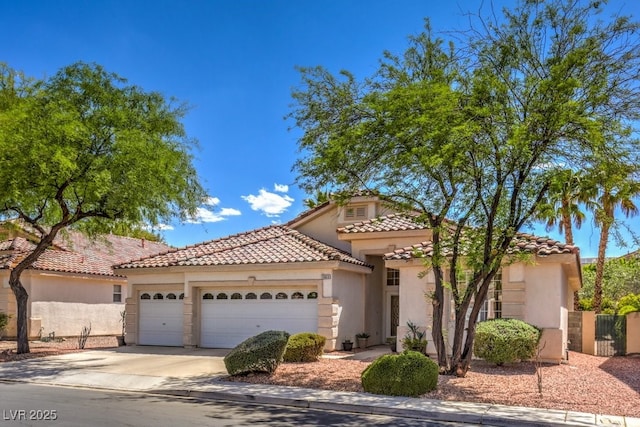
[[269, 245], [74, 252], [523, 243], [392, 222]]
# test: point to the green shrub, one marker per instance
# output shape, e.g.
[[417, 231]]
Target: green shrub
[[505, 340], [406, 374], [4, 321], [304, 347], [262, 353], [624, 310]]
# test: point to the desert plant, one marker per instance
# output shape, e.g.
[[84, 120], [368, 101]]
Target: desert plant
[[505, 340], [362, 335], [261, 353], [304, 347], [409, 373], [123, 320], [4, 321], [84, 334], [415, 339]]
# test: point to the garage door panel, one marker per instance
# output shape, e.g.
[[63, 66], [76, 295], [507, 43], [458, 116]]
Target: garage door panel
[[160, 322], [226, 323]]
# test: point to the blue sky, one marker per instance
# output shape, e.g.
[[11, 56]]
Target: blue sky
[[233, 62]]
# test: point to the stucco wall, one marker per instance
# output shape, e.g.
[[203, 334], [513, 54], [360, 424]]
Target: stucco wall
[[414, 303], [76, 289], [633, 333], [544, 295], [68, 319], [348, 290]]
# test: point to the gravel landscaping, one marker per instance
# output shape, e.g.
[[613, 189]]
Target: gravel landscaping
[[586, 384]]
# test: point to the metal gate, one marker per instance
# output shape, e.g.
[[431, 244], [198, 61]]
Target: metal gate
[[611, 335]]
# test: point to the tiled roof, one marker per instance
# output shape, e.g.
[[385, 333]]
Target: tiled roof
[[269, 245], [392, 222], [522, 243], [76, 253]]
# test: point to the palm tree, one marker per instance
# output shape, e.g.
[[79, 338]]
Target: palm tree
[[320, 198], [562, 208], [616, 187]]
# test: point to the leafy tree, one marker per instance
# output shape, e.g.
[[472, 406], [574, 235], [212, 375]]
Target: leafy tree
[[477, 134], [83, 146], [620, 277]]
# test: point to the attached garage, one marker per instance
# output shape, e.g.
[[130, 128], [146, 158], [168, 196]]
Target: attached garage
[[161, 319], [228, 317]]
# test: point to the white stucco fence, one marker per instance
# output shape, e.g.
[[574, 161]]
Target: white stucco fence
[[68, 319]]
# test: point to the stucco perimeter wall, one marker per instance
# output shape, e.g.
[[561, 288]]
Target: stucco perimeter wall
[[68, 319], [633, 333]]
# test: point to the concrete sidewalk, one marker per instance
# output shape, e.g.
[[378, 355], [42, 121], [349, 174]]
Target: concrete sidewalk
[[196, 373]]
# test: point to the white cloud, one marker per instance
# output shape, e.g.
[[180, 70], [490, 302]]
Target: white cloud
[[211, 201], [271, 204], [163, 227], [281, 188], [230, 212], [207, 215]]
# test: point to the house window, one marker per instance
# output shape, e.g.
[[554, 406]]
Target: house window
[[281, 295], [312, 295], [181, 296], [236, 295], [222, 295], [266, 295], [158, 296], [145, 296], [251, 295], [352, 213], [297, 295], [117, 293], [492, 306], [393, 277], [171, 296], [207, 296]]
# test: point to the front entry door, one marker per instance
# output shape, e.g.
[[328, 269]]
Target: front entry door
[[394, 315]]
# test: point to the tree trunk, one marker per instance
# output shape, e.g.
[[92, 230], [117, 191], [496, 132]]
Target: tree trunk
[[602, 249], [21, 319], [438, 314]]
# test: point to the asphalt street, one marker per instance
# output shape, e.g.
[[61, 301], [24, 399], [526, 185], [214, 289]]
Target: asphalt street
[[40, 405]]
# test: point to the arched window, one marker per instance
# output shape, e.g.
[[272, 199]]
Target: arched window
[[145, 296], [181, 296], [222, 295], [207, 296], [281, 295], [158, 296], [251, 295], [266, 295], [312, 295], [171, 296], [297, 295], [236, 295]]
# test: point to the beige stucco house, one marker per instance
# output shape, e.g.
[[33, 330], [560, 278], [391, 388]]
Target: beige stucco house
[[72, 284], [333, 270]]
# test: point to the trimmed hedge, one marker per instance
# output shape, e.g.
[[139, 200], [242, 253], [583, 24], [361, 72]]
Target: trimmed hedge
[[409, 373], [304, 347], [262, 353], [4, 321], [502, 341]]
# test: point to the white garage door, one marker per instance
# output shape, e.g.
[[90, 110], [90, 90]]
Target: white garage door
[[230, 317], [161, 319]]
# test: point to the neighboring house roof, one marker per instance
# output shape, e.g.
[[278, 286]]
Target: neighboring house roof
[[269, 245], [522, 243], [75, 252]]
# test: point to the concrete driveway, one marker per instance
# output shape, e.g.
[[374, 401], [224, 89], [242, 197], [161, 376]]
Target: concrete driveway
[[124, 368]]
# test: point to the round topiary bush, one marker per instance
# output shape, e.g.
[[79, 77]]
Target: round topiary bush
[[501, 341], [261, 353], [406, 374], [304, 347]]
